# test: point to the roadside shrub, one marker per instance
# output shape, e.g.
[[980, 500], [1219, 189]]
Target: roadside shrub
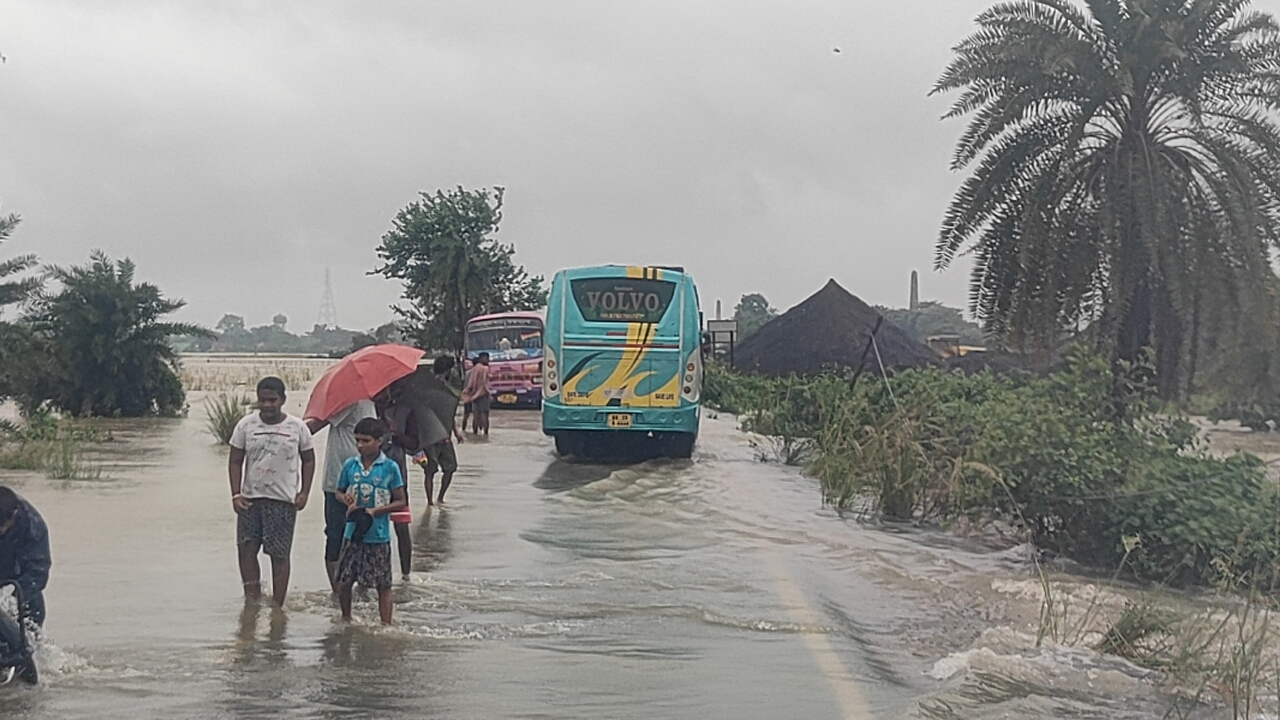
[[1079, 457]]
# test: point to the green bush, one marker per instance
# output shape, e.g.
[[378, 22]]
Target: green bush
[[1079, 457], [222, 413]]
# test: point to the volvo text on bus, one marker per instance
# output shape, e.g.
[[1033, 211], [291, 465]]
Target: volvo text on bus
[[623, 362]]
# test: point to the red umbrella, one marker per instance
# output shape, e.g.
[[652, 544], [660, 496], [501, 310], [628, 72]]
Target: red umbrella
[[360, 376]]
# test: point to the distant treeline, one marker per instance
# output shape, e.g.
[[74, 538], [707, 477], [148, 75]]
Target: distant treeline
[[231, 335]]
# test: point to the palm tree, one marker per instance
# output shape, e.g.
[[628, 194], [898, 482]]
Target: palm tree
[[103, 344], [1122, 151], [15, 291], [13, 338]]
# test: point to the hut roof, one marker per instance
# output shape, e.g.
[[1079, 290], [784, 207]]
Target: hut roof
[[829, 329]]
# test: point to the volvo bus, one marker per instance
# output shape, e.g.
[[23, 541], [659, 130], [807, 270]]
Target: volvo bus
[[514, 343], [622, 366]]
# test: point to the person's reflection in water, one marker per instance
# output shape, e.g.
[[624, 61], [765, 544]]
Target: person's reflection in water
[[261, 668], [432, 545], [272, 648], [367, 671]]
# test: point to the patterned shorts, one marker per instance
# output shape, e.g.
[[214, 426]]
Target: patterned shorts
[[269, 522], [368, 564]]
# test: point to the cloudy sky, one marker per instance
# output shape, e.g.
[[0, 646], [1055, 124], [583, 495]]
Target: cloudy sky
[[235, 150]]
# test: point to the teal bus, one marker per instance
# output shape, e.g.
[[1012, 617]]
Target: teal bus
[[622, 362]]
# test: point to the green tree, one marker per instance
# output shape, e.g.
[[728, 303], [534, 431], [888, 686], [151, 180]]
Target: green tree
[[14, 338], [12, 289], [752, 312], [100, 345], [230, 325], [441, 248], [933, 318], [1121, 151]]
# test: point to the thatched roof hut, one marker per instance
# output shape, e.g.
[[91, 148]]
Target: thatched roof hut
[[828, 330]]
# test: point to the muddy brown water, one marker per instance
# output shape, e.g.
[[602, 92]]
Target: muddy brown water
[[713, 588]]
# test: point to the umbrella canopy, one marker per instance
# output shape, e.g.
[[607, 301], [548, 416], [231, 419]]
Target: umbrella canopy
[[432, 402], [360, 376]]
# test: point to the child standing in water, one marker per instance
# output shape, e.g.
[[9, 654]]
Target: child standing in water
[[372, 488]]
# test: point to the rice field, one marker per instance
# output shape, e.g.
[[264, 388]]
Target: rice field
[[221, 372]]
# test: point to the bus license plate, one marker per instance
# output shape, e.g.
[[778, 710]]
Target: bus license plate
[[507, 399], [618, 420]]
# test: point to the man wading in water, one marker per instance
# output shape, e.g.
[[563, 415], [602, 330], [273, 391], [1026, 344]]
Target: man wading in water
[[271, 465], [24, 551]]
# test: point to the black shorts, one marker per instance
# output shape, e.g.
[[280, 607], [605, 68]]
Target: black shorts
[[368, 564], [481, 404], [442, 456], [269, 523]]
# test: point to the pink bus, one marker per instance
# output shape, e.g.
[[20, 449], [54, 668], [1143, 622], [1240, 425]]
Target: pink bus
[[514, 343]]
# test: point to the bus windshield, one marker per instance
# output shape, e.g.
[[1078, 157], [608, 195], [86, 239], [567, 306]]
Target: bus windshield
[[505, 338]]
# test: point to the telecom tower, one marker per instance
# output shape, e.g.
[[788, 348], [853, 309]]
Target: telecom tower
[[328, 311]]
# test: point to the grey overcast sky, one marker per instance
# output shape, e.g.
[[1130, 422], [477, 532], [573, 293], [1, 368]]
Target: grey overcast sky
[[235, 150]]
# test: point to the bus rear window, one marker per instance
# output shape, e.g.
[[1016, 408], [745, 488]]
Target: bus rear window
[[622, 299]]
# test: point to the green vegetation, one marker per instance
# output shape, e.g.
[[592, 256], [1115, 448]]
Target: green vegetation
[[13, 290], [441, 248], [1102, 479], [223, 411], [934, 318], [752, 312], [98, 345], [55, 447], [1126, 182], [233, 336]]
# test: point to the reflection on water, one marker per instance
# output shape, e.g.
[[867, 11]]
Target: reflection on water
[[431, 544], [719, 588], [564, 475]]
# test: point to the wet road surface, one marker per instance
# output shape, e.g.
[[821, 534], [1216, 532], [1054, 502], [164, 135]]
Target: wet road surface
[[712, 588]]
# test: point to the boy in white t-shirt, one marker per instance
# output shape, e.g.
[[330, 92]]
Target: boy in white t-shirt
[[271, 465]]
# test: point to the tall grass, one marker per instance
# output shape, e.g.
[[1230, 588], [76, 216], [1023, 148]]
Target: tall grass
[[223, 411], [56, 446], [65, 460]]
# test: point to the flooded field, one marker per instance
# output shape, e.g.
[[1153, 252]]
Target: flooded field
[[716, 588]]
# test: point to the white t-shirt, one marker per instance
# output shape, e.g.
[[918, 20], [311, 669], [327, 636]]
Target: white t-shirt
[[341, 443], [273, 463]]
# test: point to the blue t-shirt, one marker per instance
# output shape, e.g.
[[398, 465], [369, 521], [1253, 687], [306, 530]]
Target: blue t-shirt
[[371, 488]]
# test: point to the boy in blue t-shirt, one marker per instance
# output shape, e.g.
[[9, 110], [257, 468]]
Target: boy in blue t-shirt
[[372, 488]]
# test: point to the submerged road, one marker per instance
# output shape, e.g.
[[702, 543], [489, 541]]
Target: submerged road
[[712, 588]]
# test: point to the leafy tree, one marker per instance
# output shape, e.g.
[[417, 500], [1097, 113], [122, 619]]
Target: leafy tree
[[752, 312], [1122, 151], [441, 248], [230, 324], [934, 318], [101, 346]]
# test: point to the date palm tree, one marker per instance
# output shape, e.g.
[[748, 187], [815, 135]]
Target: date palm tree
[[1123, 151], [15, 291], [103, 345]]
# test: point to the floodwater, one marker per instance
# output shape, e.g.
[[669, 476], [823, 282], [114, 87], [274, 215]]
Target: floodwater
[[713, 588]]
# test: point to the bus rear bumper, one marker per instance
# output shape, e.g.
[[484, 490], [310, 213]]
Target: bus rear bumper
[[561, 418]]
